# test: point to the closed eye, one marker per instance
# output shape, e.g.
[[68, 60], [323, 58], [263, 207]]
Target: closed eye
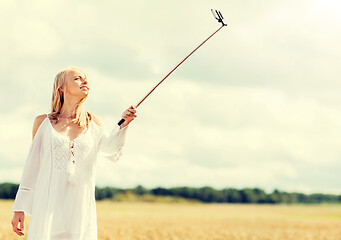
[[80, 78]]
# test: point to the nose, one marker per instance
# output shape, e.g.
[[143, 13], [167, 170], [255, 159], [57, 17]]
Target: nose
[[85, 81]]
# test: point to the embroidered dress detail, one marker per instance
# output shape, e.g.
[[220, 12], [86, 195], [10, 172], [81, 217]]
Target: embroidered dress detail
[[65, 158], [57, 188], [60, 152]]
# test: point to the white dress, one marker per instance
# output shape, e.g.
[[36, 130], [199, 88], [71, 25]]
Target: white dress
[[60, 201]]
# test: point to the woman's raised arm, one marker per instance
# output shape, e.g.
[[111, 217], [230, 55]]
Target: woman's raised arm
[[111, 145]]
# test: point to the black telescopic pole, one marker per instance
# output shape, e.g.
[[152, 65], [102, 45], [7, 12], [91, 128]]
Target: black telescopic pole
[[219, 17]]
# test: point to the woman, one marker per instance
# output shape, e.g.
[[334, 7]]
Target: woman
[[57, 188]]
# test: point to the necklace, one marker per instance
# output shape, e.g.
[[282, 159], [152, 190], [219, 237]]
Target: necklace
[[67, 119]]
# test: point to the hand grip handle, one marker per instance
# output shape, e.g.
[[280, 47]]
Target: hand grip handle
[[121, 121]]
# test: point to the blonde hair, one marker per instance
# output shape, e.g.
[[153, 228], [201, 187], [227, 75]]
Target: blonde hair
[[82, 117]]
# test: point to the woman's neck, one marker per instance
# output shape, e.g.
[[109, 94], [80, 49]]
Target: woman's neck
[[68, 109], [70, 105]]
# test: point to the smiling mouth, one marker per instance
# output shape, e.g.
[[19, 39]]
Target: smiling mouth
[[86, 88]]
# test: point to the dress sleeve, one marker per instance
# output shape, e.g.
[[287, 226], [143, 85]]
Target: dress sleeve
[[111, 145], [25, 194]]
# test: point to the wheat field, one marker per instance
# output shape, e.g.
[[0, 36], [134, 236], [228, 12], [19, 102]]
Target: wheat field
[[196, 221]]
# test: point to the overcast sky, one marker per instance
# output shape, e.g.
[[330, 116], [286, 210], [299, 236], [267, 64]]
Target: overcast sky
[[258, 105]]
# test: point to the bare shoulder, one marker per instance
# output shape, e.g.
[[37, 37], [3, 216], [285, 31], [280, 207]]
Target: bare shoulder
[[98, 120], [37, 121]]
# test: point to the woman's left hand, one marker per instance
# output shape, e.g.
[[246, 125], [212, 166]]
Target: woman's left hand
[[129, 116]]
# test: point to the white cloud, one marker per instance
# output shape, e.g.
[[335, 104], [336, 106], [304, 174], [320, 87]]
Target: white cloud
[[265, 134]]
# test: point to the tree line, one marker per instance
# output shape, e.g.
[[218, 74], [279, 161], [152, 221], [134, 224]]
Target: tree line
[[203, 194]]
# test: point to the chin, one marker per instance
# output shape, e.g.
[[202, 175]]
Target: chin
[[85, 93]]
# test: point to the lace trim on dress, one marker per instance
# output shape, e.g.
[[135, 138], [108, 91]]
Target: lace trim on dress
[[69, 155]]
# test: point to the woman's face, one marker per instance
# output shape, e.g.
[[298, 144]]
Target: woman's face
[[76, 83]]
